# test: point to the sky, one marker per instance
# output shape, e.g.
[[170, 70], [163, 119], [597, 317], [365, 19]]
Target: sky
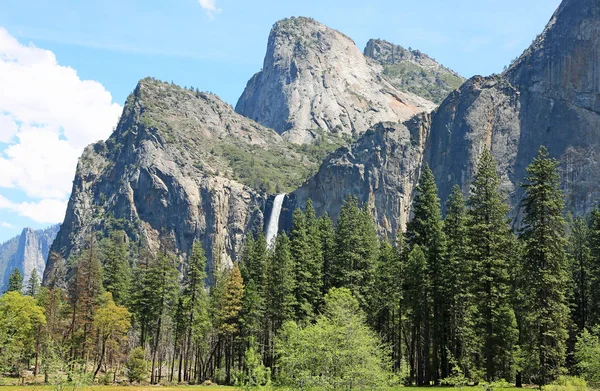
[[66, 67]]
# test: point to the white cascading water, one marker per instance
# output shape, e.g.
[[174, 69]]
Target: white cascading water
[[273, 226]]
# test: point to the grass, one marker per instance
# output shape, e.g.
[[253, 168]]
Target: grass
[[202, 388]]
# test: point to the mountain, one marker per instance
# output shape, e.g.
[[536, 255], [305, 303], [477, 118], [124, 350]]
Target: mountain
[[180, 166], [381, 169], [26, 252], [413, 71], [316, 82], [7, 250], [550, 96]]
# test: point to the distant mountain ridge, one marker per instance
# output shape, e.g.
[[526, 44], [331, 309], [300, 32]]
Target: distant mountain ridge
[[26, 252]]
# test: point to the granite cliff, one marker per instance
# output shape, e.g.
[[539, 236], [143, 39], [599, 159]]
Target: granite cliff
[[180, 166], [26, 252], [550, 96], [316, 82]]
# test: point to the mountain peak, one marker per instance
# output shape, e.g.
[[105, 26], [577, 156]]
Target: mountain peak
[[316, 81]]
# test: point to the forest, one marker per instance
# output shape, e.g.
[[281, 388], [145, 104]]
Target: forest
[[464, 296]]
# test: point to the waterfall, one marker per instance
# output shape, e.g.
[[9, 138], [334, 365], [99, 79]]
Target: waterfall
[[274, 220]]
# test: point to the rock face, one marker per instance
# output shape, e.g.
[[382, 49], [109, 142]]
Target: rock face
[[550, 96], [27, 251], [315, 80], [381, 169], [172, 172], [413, 71]]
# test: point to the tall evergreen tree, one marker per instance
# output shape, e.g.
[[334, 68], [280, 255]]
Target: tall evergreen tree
[[302, 253], [161, 279], [594, 233], [282, 282], [581, 262], [15, 281], [85, 289], [417, 287], [545, 268], [194, 303], [315, 257], [459, 279], [117, 272], [490, 239], [33, 284], [426, 231], [327, 235], [356, 251]]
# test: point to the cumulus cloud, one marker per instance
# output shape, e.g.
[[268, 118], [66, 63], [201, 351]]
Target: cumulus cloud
[[44, 211], [47, 116], [210, 6]]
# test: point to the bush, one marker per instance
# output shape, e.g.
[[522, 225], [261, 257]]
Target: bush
[[339, 351], [587, 355], [566, 383], [136, 365]]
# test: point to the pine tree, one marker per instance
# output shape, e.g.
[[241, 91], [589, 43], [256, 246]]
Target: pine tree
[[15, 281], [490, 238], [581, 263], [160, 279], [282, 282], [301, 254], [426, 231], [327, 235], [458, 280], [594, 233], [417, 287], [356, 251], [315, 258], [194, 306], [85, 289], [544, 267], [33, 285], [254, 269], [117, 272]]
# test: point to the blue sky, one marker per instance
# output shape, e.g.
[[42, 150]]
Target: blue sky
[[215, 45]]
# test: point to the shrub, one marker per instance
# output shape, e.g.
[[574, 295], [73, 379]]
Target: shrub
[[136, 365]]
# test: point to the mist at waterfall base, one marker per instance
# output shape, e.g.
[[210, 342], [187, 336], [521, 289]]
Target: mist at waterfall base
[[273, 225]]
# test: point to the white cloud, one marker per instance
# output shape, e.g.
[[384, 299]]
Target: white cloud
[[44, 211], [4, 224], [210, 6], [47, 116]]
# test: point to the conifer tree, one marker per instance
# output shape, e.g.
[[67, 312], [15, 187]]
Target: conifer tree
[[160, 279], [327, 235], [544, 267], [594, 233], [33, 285], [85, 289], [254, 269], [314, 259], [301, 254], [194, 306], [417, 313], [581, 261], [490, 238], [282, 282], [356, 251], [15, 281], [459, 279], [426, 231], [117, 272]]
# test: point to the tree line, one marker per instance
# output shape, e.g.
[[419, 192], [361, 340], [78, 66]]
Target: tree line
[[461, 296]]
